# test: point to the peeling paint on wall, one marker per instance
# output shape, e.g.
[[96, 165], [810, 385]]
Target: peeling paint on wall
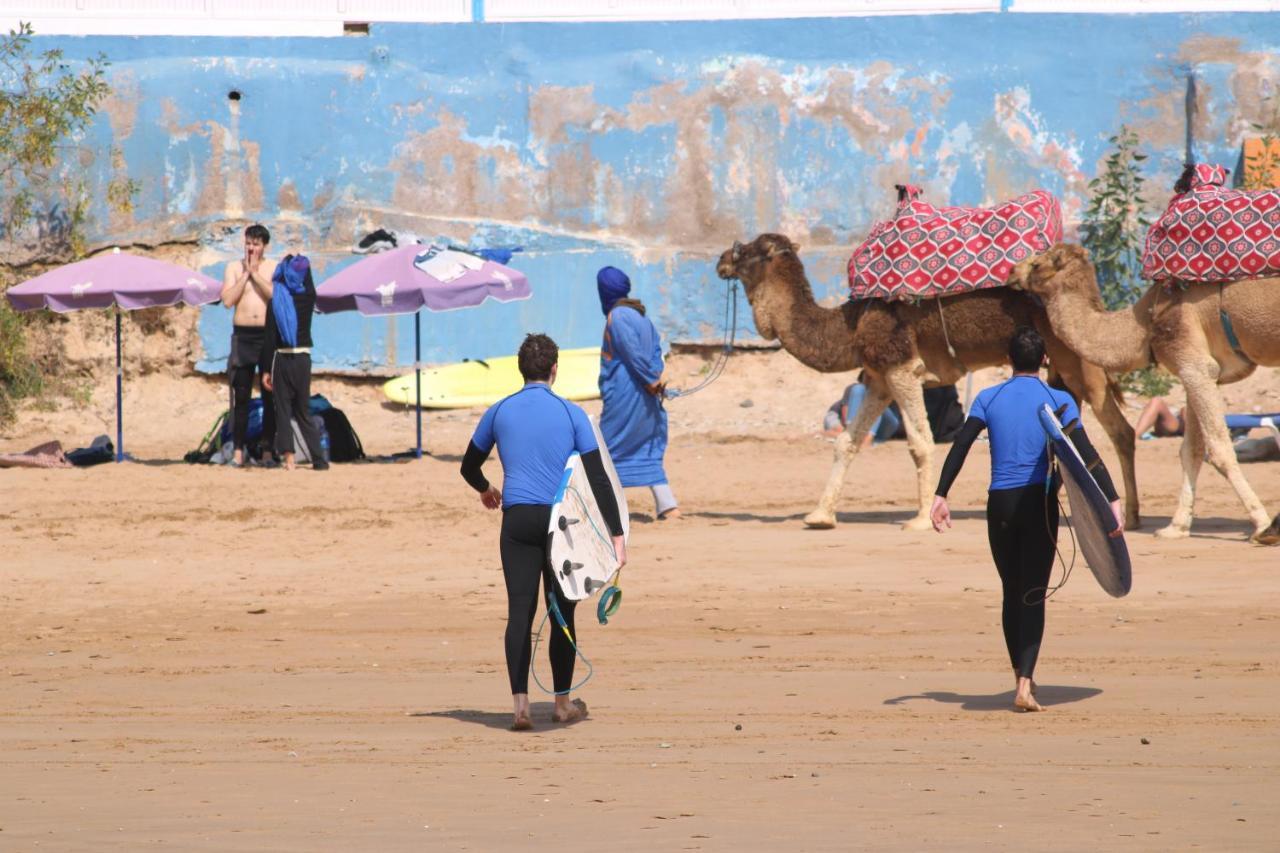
[[649, 146]]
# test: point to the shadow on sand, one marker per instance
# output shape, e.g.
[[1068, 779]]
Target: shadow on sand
[[1048, 695], [1202, 527], [896, 517], [540, 712]]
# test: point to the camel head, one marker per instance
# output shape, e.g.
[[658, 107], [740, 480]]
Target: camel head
[[747, 262], [1064, 265], [752, 263]]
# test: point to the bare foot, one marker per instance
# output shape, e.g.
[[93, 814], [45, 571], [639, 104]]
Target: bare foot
[[1027, 703], [571, 713], [522, 723], [1017, 677], [670, 514], [1024, 698]]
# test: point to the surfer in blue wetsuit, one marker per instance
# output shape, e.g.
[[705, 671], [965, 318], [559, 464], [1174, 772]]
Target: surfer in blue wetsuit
[[1022, 506], [536, 432], [633, 421]]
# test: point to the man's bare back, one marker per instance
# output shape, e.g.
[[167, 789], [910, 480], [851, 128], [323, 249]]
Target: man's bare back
[[246, 286]]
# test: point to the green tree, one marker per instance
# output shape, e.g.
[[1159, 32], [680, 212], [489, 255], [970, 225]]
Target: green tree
[[45, 105], [1113, 229], [1115, 222]]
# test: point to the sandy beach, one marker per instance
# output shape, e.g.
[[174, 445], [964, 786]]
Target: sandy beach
[[199, 658]]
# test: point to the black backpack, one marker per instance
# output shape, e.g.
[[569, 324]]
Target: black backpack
[[344, 444]]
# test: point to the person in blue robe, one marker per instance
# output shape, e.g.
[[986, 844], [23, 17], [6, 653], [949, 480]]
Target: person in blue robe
[[633, 422]]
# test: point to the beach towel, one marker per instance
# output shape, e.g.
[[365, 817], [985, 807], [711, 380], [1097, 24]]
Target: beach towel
[[1209, 233], [926, 251]]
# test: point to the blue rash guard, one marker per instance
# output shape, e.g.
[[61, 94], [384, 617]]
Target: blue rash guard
[[536, 432], [1019, 452]]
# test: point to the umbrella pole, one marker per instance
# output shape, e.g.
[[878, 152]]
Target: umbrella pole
[[119, 394], [417, 376]]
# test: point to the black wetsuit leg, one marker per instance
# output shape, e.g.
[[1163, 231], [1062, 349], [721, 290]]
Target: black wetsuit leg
[[248, 347], [1023, 533], [268, 407], [524, 562], [241, 393]]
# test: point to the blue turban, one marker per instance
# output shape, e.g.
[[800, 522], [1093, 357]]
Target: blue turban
[[613, 284]]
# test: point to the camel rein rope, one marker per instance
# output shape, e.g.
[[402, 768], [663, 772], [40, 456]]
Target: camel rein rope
[[730, 332]]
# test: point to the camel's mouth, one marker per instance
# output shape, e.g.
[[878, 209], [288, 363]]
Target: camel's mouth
[[1020, 275], [727, 266]]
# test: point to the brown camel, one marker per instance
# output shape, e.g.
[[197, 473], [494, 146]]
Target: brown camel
[[1182, 329], [903, 347]]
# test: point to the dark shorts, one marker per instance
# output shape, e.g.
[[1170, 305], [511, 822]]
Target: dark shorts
[[248, 346]]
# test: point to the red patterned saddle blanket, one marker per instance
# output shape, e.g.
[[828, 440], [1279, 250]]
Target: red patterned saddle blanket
[[1210, 233], [926, 251]]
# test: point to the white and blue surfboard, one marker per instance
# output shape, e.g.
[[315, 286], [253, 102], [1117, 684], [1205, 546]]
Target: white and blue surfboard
[[1091, 516], [579, 546]]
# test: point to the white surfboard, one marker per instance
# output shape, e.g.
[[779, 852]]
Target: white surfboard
[[579, 546]]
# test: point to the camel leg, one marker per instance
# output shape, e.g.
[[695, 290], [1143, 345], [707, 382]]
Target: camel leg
[[848, 443], [904, 385], [1106, 407], [1205, 400], [1191, 454], [1091, 384]]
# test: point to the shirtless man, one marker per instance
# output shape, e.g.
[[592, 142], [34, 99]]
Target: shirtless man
[[246, 287]]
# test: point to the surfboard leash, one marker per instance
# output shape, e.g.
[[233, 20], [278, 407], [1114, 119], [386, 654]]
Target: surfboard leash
[[730, 333], [611, 595], [553, 608], [1063, 518]]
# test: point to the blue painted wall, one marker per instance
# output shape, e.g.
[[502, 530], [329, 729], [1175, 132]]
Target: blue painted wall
[[650, 146]]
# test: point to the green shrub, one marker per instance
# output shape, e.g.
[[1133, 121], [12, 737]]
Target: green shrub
[[1150, 381], [45, 106], [18, 374], [1115, 223]]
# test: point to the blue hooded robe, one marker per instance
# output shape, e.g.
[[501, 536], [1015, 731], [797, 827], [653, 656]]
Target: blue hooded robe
[[633, 423]]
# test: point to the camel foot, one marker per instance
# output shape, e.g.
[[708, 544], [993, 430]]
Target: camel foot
[[1133, 522], [819, 520], [1269, 535], [920, 522], [1173, 531]]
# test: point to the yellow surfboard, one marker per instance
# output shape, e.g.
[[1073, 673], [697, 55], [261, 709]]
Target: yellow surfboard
[[483, 382]]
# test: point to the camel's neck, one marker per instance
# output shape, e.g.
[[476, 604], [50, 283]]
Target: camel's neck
[[1114, 340], [821, 338]]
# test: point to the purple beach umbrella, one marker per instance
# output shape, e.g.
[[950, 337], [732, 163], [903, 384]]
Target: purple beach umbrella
[[415, 276], [114, 279]]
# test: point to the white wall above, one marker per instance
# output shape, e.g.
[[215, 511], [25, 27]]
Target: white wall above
[[327, 17], [669, 10], [1139, 6], [221, 17]]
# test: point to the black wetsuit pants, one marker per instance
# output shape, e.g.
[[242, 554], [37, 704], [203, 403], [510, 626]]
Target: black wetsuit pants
[[291, 376], [247, 346], [1023, 533], [524, 561]]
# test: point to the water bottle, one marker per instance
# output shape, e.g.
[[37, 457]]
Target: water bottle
[[324, 444]]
